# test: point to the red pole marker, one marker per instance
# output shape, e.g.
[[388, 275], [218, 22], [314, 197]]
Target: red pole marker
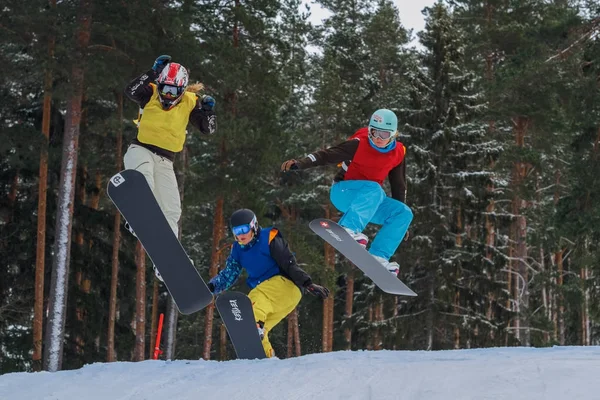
[[157, 350]]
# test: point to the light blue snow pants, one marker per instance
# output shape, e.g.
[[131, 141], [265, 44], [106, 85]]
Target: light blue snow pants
[[365, 201]]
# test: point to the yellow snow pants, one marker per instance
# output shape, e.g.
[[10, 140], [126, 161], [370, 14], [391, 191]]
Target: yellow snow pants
[[272, 300]]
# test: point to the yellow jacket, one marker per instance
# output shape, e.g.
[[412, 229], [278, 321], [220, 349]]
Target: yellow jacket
[[166, 128]]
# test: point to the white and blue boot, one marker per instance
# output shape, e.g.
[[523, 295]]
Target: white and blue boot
[[360, 237], [392, 266]]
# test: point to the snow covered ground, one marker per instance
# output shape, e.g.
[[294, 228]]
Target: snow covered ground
[[487, 374]]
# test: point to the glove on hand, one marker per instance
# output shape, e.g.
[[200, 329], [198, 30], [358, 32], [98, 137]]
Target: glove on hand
[[208, 103], [289, 165], [317, 290], [160, 63]]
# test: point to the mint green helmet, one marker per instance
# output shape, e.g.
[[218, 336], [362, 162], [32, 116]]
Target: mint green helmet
[[384, 120]]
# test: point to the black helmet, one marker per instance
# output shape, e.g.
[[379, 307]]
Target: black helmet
[[242, 221]]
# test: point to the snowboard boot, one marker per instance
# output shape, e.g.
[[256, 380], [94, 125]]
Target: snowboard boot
[[360, 238], [393, 266], [261, 330]]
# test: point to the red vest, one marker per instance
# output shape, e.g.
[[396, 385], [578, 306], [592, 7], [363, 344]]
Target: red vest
[[369, 164]]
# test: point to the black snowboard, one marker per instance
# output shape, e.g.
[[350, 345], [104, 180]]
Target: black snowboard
[[235, 309], [341, 240], [133, 197]]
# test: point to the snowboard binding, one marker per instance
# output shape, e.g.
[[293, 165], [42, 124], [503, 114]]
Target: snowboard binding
[[129, 228]]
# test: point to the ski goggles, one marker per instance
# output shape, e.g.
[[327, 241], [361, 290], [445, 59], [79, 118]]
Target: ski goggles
[[381, 134], [169, 92], [241, 230], [244, 229]]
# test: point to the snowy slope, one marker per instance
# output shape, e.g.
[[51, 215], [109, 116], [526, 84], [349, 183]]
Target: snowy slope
[[488, 374]]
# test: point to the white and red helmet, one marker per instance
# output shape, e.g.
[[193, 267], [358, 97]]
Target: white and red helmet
[[171, 83]]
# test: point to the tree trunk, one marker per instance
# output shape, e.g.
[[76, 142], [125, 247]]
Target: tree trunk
[[349, 307], [171, 333], [458, 243], [95, 197], [430, 316], [114, 276], [297, 334], [490, 240], [40, 259], [218, 231], [81, 197], [140, 303], [490, 227], [395, 316], [553, 297], [459, 227], [64, 217], [370, 317], [154, 316], [585, 308], [548, 297], [545, 295], [377, 343], [521, 285], [509, 286], [560, 315], [293, 335], [457, 313], [328, 303], [223, 343], [290, 336]]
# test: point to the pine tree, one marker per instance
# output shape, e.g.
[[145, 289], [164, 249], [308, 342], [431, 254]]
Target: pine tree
[[450, 150], [576, 214], [526, 94]]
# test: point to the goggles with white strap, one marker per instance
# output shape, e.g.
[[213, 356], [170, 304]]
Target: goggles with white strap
[[244, 229], [380, 134]]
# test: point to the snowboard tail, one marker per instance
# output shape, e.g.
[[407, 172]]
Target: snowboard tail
[[341, 240], [235, 309], [132, 196]]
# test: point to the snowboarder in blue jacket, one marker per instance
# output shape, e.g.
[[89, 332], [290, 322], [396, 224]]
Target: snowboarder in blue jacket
[[276, 280]]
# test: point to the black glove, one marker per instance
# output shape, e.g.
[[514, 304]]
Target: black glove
[[160, 63], [317, 290], [289, 165], [208, 103]]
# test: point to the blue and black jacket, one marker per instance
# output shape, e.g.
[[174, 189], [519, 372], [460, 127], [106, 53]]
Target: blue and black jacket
[[267, 255]]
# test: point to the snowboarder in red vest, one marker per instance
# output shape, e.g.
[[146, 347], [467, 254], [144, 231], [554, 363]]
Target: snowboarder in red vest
[[367, 158]]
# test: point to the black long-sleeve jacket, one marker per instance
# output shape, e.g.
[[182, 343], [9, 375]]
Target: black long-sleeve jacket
[[140, 91], [343, 153]]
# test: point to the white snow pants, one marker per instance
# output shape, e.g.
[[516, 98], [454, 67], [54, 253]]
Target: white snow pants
[[161, 177]]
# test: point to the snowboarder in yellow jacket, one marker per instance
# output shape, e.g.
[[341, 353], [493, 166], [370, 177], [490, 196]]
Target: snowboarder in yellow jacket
[[167, 105]]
